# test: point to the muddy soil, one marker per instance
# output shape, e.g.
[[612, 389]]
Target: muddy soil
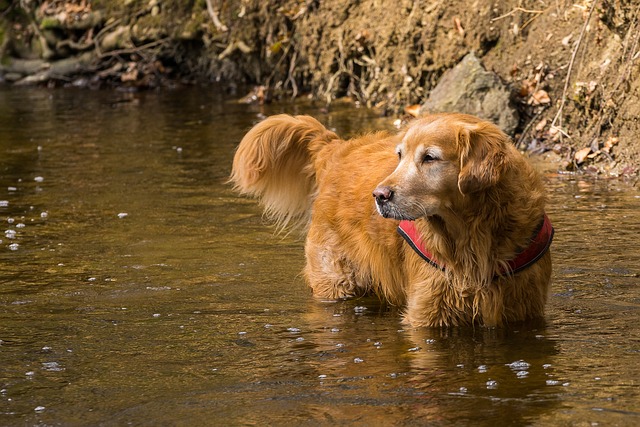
[[572, 66]]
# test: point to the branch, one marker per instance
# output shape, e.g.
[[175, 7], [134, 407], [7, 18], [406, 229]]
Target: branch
[[573, 57], [214, 17]]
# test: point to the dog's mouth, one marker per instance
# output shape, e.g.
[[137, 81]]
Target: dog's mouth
[[390, 210]]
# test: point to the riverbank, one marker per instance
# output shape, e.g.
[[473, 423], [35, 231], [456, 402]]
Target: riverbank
[[570, 69]]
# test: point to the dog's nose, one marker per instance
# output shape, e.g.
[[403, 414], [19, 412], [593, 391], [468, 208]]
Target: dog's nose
[[383, 194]]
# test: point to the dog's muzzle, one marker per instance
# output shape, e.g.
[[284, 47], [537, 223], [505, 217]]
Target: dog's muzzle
[[383, 196]]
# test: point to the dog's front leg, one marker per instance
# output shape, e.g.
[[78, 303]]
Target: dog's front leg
[[432, 302], [331, 274]]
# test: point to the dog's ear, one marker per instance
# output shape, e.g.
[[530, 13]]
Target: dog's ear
[[482, 156]]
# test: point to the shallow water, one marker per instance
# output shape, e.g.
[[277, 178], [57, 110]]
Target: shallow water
[[136, 288]]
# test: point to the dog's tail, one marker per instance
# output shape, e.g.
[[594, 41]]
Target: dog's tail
[[275, 163]]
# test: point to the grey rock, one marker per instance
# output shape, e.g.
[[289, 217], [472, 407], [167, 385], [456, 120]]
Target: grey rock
[[469, 88]]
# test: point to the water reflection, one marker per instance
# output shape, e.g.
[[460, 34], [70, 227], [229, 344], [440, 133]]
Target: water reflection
[[143, 291]]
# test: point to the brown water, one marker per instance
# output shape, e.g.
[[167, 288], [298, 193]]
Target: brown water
[[136, 288]]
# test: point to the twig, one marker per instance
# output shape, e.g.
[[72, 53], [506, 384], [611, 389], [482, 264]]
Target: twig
[[532, 19], [290, 77], [133, 49], [573, 57], [214, 17], [517, 9], [527, 128]]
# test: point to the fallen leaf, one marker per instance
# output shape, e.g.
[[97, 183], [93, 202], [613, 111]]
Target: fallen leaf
[[527, 87], [609, 143], [567, 39], [540, 97], [581, 155], [541, 124], [412, 110]]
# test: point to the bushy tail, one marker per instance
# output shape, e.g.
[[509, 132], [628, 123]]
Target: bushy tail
[[274, 162]]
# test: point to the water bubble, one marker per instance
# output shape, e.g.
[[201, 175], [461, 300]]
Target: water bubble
[[553, 382], [30, 374], [4, 203], [482, 369], [519, 365], [52, 367], [268, 325], [299, 339], [46, 348], [38, 179], [44, 214], [123, 215], [492, 384], [14, 246], [322, 376], [430, 341], [10, 220], [157, 314], [242, 333], [293, 330], [39, 408], [335, 330], [10, 234], [357, 360], [360, 309], [20, 225], [547, 365], [463, 389], [377, 344], [522, 374], [415, 349], [339, 345], [12, 188]]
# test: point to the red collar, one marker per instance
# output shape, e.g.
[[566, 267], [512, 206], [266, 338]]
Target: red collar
[[539, 245]]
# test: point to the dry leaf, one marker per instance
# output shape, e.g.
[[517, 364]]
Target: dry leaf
[[541, 124], [565, 41], [540, 97], [527, 87], [609, 143], [581, 155]]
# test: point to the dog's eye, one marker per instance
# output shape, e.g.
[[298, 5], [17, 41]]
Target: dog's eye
[[399, 155], [428, 158]]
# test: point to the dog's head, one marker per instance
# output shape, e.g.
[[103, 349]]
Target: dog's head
[[442, 159]]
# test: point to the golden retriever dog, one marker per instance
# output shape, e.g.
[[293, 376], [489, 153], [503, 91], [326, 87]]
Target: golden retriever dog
[[455, 232]]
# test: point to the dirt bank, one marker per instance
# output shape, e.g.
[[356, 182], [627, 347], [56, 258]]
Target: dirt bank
[[572, 66]]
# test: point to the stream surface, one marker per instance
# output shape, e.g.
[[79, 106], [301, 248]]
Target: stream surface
[[137, 288]]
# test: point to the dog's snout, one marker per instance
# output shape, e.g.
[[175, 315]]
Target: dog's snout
[[383, 194]]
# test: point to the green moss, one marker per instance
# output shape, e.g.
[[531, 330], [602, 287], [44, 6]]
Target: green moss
[[49, 23]]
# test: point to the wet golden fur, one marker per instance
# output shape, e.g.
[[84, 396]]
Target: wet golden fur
[[473, 196]]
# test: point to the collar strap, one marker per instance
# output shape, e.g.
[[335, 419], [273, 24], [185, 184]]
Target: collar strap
[[538, 246]]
